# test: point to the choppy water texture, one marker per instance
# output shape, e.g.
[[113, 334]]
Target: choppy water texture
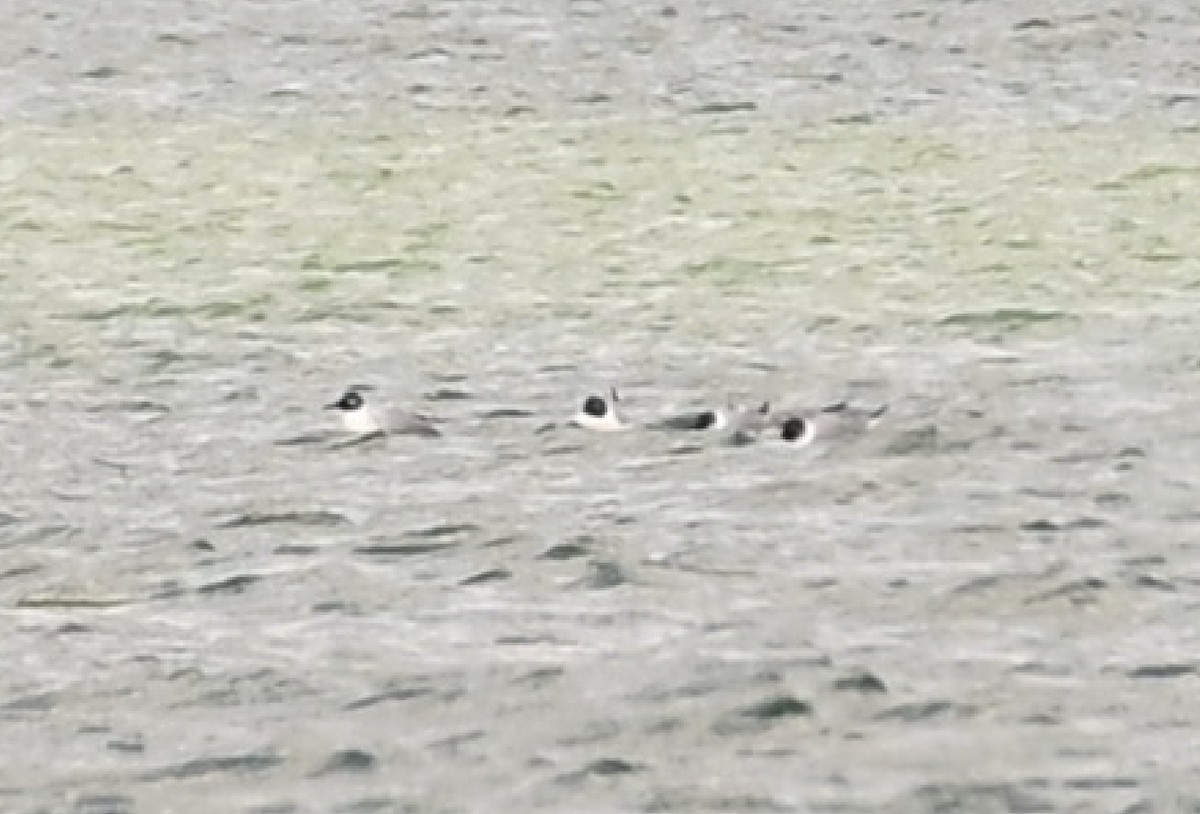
[[211, 603]]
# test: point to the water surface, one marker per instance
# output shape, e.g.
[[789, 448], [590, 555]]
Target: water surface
[[213, 602]]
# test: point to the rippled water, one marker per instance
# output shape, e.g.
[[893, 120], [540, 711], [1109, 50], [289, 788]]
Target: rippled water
[[213, 601]]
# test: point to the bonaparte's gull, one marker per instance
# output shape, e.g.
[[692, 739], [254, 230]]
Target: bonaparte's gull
[[600, 414], [835, 421], [698, 420], [361, 418]]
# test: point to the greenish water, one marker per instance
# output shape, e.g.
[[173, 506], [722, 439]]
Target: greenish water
[[293, 221], [984, 606]]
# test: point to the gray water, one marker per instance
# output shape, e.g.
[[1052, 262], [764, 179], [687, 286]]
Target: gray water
[[217, 218]]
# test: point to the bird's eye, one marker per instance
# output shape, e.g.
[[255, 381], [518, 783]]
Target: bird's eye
[[595, 407], [793, 428]]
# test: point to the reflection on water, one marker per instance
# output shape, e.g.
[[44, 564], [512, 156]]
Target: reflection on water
[[209, 592]]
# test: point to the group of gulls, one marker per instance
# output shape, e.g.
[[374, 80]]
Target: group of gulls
[[600, 414]]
